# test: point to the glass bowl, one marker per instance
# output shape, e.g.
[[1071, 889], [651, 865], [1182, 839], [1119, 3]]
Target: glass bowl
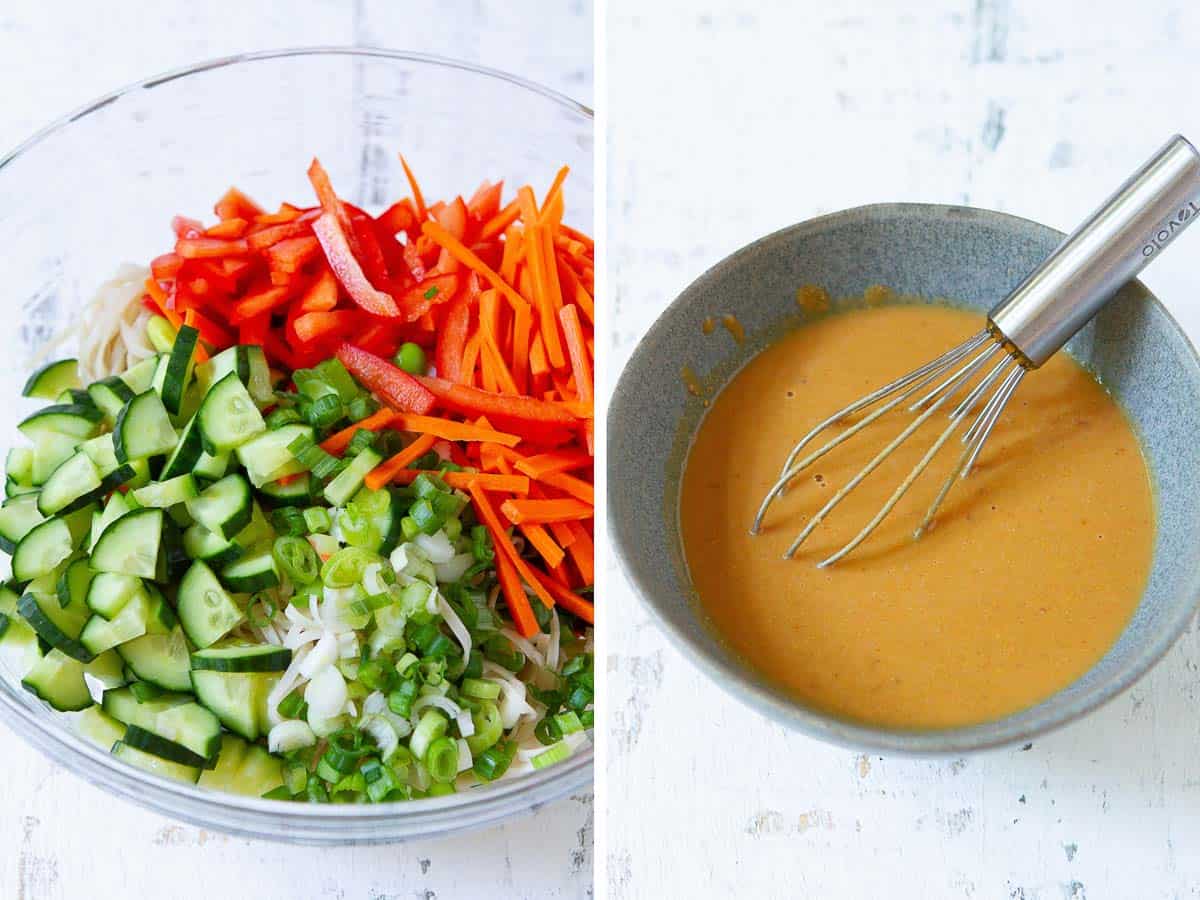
[[99, 187]]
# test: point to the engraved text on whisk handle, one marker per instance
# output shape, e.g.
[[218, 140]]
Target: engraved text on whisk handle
[[1096, 260]]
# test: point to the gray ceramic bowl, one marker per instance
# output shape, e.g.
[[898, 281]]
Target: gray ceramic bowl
[[975, 257]]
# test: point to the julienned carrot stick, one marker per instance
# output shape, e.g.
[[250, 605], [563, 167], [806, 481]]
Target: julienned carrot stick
[[575, 291], [418, 197], [499, 222], [386, 471], [555, 461], [582, 551], [338, 442], [569, 484], [522, 322], [537, 512], [504, 544], [578, 351], [453, 431], [467, 257], [544, 544], [571, 601], [514, 595], [534, 246]]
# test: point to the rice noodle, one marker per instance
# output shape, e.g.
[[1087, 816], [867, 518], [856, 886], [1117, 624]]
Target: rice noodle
[[111, 328], [532, 653], [456, 624]]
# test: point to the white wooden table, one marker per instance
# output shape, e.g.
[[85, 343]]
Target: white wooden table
[[63, 839], [730, 120]]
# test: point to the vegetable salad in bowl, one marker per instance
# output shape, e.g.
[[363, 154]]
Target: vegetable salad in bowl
[[310, 515]]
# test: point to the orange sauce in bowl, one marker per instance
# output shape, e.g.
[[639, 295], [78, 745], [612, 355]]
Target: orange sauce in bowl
[[1032, 570]]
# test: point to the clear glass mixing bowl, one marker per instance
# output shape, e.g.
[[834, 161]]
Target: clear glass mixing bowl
[[100, 186]]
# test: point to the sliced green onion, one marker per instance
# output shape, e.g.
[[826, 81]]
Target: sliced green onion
[[431, 726], [315, 791], [312, 457], [410, 357], [494, 761], [405, 663], [481, 544], [362, 439], [500, 650], [296, 557], [327, 772], [568, 723], [357, 529], [291, 705], [280, 416], [295, 779], [345, 568], [425, 485], [441, 759], [489, 727], [324, 411], [441, 788], [477, 687], [360, 407], [579, 699], [400, 700], [317, 520], [289, 521], [409, 528], [425, 517], [335, 375]]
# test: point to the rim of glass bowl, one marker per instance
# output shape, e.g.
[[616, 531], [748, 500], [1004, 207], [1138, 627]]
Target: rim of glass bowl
[[276, 819]]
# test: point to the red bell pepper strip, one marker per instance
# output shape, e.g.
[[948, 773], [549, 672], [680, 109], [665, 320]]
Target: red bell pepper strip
[[273, 234], [321, 295], [166, 267], [209, 248], [349, 273], [453, 217], [398, 389], [452, 339], [227, 228], [185, 227], [318, 325], [236, 205], [292, 254], [485, 202]]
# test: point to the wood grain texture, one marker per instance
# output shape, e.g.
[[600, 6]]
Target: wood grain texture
[[66, 839], [730, 120]]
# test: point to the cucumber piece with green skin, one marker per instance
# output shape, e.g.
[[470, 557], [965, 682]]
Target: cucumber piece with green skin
[[163, 660], [18, 516], [186, 453], [296, 492], [192, 726], [155, 765], [224, 507], [58, 679], [73, 484], [130, 544], [254, 658], [109, 593], [97, 727], [146, 612], [52, 379], [18, 465], [42, 549], [74, 584], [235, 359], [174, 370], [109, 395], [73, 419], [267, 458], [51, 450], [254, 572], [13, 489], [200, 543], [168, 493], [140, 375], [347, 482], [143, 429], [206, 611], [75, 395], [123, 705], [116, 507], [113, 474], [149, 742], [59, 626], [211, 467], [238, 699], [228, 416]]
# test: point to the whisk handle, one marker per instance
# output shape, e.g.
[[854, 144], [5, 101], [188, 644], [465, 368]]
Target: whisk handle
[[1116, 242]]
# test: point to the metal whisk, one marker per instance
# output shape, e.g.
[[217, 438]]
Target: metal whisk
[[1024, 330]]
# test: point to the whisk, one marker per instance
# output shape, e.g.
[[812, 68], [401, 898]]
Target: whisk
[[1022, 331]]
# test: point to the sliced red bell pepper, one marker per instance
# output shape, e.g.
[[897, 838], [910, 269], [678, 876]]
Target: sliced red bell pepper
[[315, 326], [185, 227], [166, 267], [260, 302], [210, 248], [397, 218], [401, 391], [273, 234], [236, 205], [485, 202], [452, 216], [420, 298], [254, 331], [321, 295], [347, 269], [293, 254], [498, 407], [227, 228], [367, 250], [452, 338]]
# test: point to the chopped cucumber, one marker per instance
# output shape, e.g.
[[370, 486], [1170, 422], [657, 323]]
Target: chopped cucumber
[[161, 659], [225, 507], [206, 611], [155, 765], [18, 516], [237, 698], [143, 429], [168, 493], [254, 572], [139, 377], [73, 484], [347, 482], [267, 457], [175, 369], [110, 395], [98, 727], [252, 658], [52, 379], [228, 416], [243, 768], [130, 544], [42, 549]]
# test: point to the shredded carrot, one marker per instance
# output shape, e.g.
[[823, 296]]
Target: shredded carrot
[[520, 512], [338, 442], [467, 257], [557, 461], [453, 431], [514, 596], [504, 544], [499, 222], [509, 484], [569, 484], [582, 551], [417, 196], [555, 189], [571, 601], [386, 471], [544, 544], [578, 351]]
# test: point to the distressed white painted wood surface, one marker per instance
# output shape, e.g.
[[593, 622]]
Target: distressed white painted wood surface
[[730, 120], [64, 839]]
